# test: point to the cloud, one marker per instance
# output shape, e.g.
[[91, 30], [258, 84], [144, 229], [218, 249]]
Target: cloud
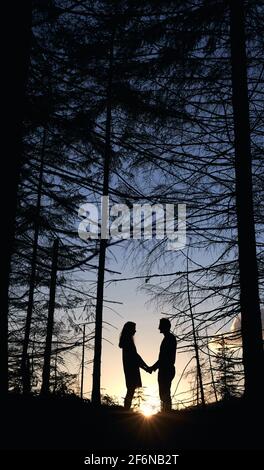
[[236, 325], [232, 338]]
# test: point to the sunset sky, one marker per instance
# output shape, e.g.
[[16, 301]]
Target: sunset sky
[[136, 307]]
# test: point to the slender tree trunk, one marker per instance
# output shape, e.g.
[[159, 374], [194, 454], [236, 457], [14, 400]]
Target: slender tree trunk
[[48, 347], [56, 369], [32, 360], [211, 369], [33, 271], [249, 293], [96, 395], [197, 387], [196, 349], [83, 357], [15, 64]]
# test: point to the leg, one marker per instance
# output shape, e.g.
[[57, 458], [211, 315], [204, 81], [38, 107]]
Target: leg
[[162, 394], [164, 391], [167, 398], [167, 391], [129, 398]]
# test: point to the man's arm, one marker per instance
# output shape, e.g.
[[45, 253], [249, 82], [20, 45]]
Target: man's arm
[[155, 366]]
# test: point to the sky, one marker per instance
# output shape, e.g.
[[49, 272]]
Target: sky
[[133, 304], [135, 307]]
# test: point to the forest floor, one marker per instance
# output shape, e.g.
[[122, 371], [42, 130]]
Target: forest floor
[[68, 423]]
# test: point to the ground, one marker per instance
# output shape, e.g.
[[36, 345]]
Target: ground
[[70, 424]]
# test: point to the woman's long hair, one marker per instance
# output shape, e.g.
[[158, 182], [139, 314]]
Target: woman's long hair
[[127, 334]]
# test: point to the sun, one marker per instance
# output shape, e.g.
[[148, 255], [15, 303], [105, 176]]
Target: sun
[[148, 409], [147, 412]]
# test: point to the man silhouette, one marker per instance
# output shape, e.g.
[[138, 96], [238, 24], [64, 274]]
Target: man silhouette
[[165, 364]]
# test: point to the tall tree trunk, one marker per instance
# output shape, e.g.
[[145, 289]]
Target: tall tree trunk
[[56, 369], [48, 347], [15, 64], [211, 368], [25, 383], [249, 294], [96, 395], [196, 348], [83, 357]]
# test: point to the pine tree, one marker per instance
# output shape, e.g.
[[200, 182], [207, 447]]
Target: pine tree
[[226, 378], [15, 66]]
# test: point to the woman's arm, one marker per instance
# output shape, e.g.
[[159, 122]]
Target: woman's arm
[[141, 363]]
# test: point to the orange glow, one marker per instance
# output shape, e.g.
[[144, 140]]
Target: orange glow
[[149, 408]]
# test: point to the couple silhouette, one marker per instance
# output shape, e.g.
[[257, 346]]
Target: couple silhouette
[[132, 362]]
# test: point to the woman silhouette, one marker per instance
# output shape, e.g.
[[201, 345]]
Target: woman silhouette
[[131, 362]]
